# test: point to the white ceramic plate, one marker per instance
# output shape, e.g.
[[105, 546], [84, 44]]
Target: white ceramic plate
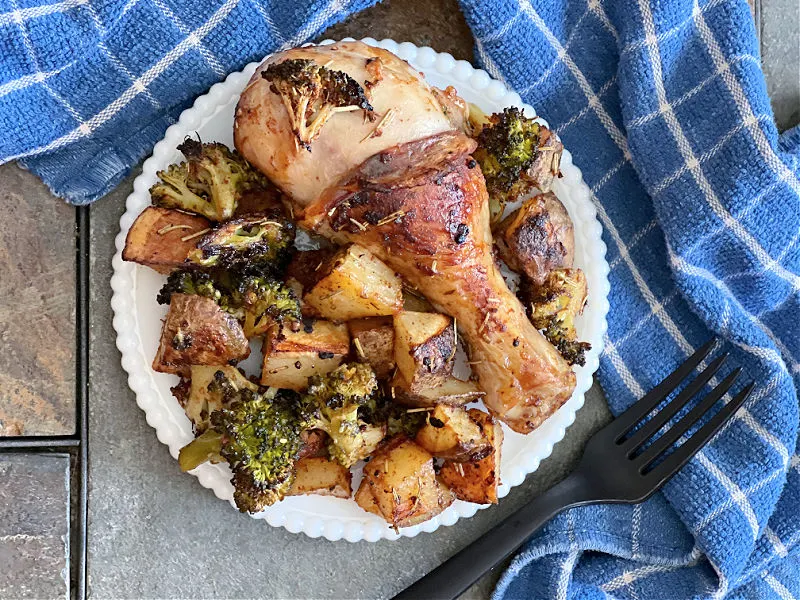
[[137, 316]]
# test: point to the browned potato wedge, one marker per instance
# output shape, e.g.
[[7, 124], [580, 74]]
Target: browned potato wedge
[[160, 238], [452, 391], [201, 402], [450, 432], [197, 331], [319, 475], [355, 284], [373, 340], [366, 500], [424, 348], [291, 357], [404, 484], [477, 481]]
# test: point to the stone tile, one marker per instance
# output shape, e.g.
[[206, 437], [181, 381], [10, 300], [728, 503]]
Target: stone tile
[[437, 23], [37, 318], [34, 526], [780, 58]]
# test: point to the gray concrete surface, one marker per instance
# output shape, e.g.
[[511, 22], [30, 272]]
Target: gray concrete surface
[[156, 533], [779, 32], [34, 526]]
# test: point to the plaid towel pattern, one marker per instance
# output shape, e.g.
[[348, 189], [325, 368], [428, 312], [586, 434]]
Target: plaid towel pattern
[[87, 87], [664, 107]]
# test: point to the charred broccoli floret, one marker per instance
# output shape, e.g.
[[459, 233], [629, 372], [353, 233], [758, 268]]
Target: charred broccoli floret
[[553, 308], [209, 182], [263, 302], [312, 94], [400, 420], [259, 435], [342, 403], [515, 154], [262, 240], [191, 282]]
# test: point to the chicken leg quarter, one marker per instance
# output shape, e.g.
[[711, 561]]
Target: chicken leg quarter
[[422, 208]]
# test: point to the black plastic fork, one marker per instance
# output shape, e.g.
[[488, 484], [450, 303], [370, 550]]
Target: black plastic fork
[[617, 467]]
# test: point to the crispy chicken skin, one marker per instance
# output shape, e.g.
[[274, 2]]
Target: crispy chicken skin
[[405, 107], [422, 208]]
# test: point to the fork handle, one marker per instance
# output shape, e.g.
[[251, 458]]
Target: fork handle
[[454, 576]]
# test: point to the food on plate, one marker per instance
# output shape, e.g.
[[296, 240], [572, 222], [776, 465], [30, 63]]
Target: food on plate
[[162, 238], [477, 481], [320, 475], [554, 306], [516, 154], [205, 391], [451, 391], [373, 343], [259, 434], [452, 432], [403, 484], [209, 182], [439, 240], [537, 238], [259, 239], [353, 284], [198, 332], [343, 404], [424, 348], [396, 186], [291, 357]]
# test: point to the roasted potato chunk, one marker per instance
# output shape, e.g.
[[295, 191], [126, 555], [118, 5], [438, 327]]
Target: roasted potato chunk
[[291, 357], [366, 500], [197, 331], [201, 401], [373, 339], [477, 481], [537, 238], [321, 476], [452, 391], [162, 238], [404, 485], [451, 432], [354, 284], [424, 348]]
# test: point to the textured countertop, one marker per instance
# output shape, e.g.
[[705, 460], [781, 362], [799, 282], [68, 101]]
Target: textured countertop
[[153, 532]]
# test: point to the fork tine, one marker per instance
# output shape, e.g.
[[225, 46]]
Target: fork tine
[[674, 433], [690, 447], [662, 417], [625, 422]]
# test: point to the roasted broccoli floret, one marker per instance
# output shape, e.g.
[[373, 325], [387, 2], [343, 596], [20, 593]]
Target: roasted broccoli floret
[[191, 282], [400, 420], [255, 299], [209, 182], [265, 241], [342, 403], [259, 434], [312, 94], [515, 154], [264, 302], [553, 308]]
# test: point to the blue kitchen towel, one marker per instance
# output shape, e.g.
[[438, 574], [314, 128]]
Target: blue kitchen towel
[[87, 87], [664, 107]]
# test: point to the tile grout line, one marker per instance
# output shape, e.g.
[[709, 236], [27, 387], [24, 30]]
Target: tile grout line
[[82, 391]]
